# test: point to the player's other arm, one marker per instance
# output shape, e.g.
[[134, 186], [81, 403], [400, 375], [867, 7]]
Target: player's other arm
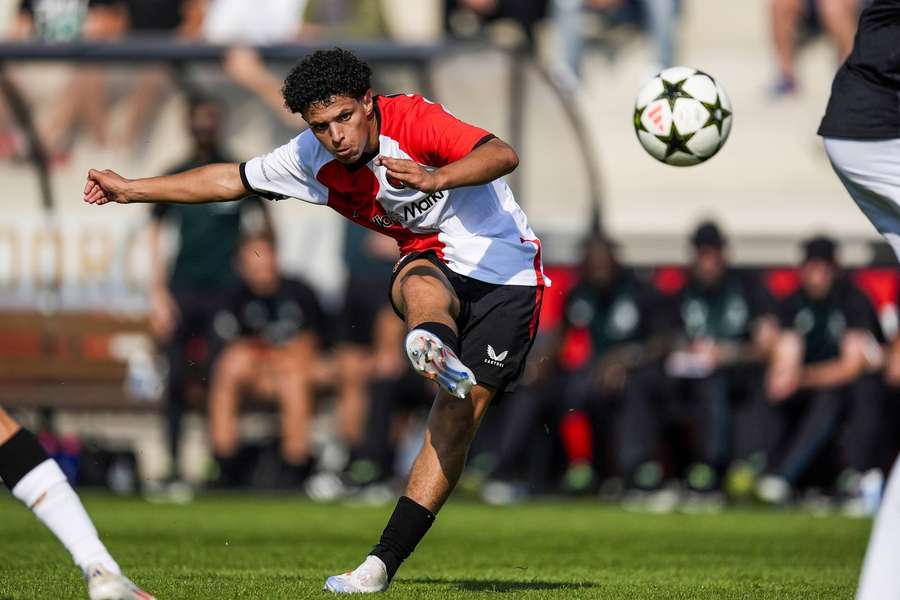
[[487, 162], [212, 183]]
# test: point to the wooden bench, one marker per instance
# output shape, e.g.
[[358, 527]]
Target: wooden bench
[[74, 361]]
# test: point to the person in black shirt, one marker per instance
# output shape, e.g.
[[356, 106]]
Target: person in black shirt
[[710, 392], [271, 327], [614, 311], [184, 299], [822, 375], [861, 126]]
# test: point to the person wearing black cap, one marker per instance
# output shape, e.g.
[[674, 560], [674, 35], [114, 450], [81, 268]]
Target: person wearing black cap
[[725, 327], [821, 378], [613, 313]]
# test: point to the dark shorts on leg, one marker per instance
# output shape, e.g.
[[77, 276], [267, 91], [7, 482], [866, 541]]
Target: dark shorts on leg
[[497, 324]]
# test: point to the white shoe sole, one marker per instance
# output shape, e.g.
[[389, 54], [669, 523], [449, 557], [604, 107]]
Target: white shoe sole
[[430, 358]]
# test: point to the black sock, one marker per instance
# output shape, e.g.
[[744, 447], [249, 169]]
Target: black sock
[[444, 332], [407, 526], [19, 455]]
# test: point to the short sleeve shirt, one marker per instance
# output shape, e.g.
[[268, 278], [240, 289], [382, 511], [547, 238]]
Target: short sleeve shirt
[[208, 238], [865, 95], [275, 319], [620, 313], [478, 231], [823, 322], [727, 311]]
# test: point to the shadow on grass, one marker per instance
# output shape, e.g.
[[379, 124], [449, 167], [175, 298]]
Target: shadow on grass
[[505, 586]]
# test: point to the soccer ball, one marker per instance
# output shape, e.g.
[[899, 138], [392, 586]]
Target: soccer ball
[[682, 117]]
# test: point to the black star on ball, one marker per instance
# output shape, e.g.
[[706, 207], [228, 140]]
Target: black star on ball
[[672, 92], [717, 114], [675, 142]]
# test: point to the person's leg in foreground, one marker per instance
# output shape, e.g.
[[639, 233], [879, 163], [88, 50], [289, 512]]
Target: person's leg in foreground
[[38, 482]]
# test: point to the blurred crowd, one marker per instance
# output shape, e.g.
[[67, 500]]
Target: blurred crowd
[[244, 26]]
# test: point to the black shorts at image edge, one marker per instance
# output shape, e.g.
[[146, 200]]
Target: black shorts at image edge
[[497, 324]]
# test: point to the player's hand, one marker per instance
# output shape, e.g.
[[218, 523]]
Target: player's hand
[[105, 186], [410, 173]]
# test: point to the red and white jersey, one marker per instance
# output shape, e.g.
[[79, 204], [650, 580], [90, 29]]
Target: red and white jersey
[[478, 231]]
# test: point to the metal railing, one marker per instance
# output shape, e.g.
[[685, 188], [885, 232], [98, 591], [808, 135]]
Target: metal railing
[[180, 53]]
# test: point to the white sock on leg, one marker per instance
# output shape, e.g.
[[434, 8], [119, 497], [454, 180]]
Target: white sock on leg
[[46, 491]]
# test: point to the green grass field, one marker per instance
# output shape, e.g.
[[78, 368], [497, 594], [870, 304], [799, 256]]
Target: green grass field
[[252, 547]]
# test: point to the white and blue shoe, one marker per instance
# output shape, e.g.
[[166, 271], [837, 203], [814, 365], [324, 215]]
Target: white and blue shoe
[[103, 584], [432, 359], [369, 578]]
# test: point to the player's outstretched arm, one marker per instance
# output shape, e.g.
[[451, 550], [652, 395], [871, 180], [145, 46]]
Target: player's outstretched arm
[[213, 183], [484, 164]]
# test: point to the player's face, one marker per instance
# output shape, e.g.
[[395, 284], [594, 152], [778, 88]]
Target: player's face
[[258, 266], [344, 127], [817, 277], [709, 264]]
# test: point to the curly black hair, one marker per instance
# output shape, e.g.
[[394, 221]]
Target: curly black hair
[[322, 75]]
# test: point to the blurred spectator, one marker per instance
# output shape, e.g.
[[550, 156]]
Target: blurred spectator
[[83, 98], [614, 313], [837, 17], [354, 19], [366, 349], [726, 327], [271, 327], [242, 25], [184, 301], [822, 376], [396, 398], [659, 18], [154, 18], [462, 15]]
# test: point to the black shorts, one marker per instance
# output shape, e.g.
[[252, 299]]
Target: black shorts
[[497, 324]]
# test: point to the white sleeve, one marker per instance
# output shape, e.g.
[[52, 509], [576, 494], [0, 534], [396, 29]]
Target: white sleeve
[[281, 174]]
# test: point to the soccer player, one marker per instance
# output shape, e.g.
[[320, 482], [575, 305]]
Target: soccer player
[[470, 275], [862, 137], [36, 480]]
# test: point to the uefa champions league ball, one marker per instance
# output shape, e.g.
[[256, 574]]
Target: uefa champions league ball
[[682, 117]]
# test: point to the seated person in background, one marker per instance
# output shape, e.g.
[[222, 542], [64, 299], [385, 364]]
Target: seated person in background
[[836, 17], [369, 258], [616, 311], [823, 374], [83, 99], [526, 13], [395, 396], [184, 300], [728, 327], [721, 324], [271, 330]]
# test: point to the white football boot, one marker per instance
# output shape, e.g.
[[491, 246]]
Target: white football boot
[[106, 585], [432, 359], [369, 578]]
